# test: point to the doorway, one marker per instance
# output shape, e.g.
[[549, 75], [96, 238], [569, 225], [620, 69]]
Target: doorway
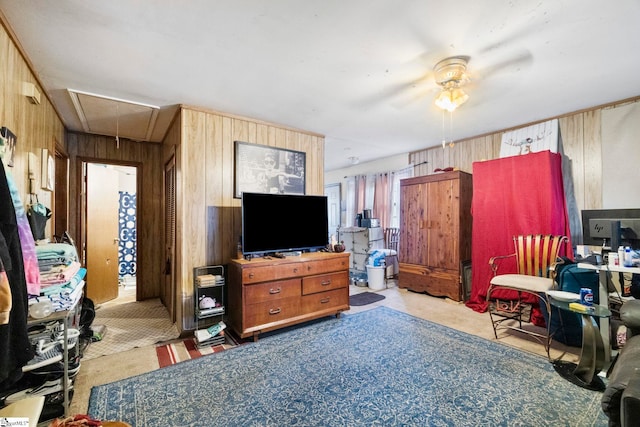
[[332, 191], [109, 228]]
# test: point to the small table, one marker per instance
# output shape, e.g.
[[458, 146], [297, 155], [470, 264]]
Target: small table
[[592, 355], [603, 271]]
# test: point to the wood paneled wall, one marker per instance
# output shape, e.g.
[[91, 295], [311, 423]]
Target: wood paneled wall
[[37, 126], [208, 214], [581, 145], [147, 158]]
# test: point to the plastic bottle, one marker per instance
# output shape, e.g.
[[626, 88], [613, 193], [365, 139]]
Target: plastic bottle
[[628, 262], [620, 255]]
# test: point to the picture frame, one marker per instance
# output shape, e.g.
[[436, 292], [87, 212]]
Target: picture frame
[[265, 169], [9, 141], [47, 174]]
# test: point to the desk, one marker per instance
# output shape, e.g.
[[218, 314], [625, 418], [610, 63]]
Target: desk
[[592, 354], [603, 294]]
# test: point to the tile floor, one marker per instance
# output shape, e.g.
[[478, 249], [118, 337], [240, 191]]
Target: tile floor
[[456, 315]]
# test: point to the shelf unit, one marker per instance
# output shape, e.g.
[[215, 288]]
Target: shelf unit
[[209, 301], [70, 318]]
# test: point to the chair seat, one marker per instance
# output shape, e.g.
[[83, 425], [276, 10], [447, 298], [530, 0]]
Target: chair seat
[[523, 282]]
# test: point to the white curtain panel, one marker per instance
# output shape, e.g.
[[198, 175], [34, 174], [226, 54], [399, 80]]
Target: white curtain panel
[[620, 157]]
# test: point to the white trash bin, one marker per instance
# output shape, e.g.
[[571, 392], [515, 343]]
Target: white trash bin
[[375, 277]]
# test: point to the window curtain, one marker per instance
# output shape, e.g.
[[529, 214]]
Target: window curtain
[[361, 192], [382, 199], [379, 192], [395, 194]]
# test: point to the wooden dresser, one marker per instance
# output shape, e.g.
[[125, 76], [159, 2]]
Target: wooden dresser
[[435, 233], [267, 294]]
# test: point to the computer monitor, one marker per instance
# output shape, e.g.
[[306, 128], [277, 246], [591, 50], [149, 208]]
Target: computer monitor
[[611, 228]]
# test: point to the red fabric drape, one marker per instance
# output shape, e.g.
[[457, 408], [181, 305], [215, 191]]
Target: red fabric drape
[[513, 195]]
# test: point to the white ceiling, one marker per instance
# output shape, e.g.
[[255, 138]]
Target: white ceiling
[[357, 71]]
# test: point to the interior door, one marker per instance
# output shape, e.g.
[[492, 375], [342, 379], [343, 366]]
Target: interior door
[[333, 206], [102, 232]]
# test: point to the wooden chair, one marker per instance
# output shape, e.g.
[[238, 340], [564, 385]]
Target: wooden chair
[[536, 257], [391, 237]]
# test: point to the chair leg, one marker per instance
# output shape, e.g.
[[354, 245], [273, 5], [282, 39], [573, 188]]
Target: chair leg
[[493, 322]]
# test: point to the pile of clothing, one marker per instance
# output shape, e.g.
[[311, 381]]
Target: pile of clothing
[[61, 276]]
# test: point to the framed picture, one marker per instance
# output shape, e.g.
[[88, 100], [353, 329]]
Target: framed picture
[[8, 146], [47, 178], [263, 169]]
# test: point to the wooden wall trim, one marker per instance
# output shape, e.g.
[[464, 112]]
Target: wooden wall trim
[[254, 121]]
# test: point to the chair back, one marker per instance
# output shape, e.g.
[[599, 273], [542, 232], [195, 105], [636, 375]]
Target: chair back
[[391, 237], [536, 253]]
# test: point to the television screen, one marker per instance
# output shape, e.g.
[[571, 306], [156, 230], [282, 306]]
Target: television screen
[[283, 222]]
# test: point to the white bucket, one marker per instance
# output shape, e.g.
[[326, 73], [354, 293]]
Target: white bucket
[[375, 277]]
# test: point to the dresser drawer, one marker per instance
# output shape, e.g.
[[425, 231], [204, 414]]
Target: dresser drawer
[[274, 272], [272, 311], [325, 300], [271, 291], [326, 266], [324, 282]]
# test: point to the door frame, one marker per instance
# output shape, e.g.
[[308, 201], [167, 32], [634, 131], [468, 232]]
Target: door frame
[[81, 206], [61, 195], [169, 287]]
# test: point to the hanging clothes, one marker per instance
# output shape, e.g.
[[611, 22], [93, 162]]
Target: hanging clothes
[[15, 348], [511, 196], [27, 243]]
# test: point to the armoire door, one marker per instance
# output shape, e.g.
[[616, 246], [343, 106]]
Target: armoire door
[[442, 224], [414, 230]]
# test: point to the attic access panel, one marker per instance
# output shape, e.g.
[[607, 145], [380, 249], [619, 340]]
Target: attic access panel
[[114, 117]]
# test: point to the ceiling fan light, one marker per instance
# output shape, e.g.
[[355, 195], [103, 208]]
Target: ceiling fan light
[[451, 98]]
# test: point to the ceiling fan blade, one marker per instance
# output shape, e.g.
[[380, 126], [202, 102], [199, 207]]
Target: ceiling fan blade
[[509, 65]]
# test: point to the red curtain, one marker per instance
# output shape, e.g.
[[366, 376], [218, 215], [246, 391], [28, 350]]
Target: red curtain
[[513, 195]]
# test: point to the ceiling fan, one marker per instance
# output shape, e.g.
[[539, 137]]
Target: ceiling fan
[[451, 74]]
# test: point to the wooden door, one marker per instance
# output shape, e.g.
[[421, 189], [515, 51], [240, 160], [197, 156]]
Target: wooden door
[[442, 219], [413, 232], [102, 233]]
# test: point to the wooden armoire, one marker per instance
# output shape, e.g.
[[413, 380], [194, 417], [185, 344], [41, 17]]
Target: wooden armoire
[[435, 233]]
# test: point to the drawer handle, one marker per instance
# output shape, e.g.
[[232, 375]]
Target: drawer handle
[[295, 270], [325, 282], [324, 300], [250, 275], [275, 291], [275, 310]]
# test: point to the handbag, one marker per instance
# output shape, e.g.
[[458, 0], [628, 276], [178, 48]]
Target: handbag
[[38, 215]]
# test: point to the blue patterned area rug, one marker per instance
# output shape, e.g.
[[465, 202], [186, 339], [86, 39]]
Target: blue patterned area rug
[[376, 368]]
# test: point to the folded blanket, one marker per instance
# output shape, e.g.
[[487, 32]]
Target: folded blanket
[[62, 301], [59, 275], [66, 287], [56, 250]]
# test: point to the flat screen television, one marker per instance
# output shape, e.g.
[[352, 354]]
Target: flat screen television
[[283, 223]]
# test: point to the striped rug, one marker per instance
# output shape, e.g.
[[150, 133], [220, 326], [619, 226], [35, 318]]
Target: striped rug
[[179, 351]]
